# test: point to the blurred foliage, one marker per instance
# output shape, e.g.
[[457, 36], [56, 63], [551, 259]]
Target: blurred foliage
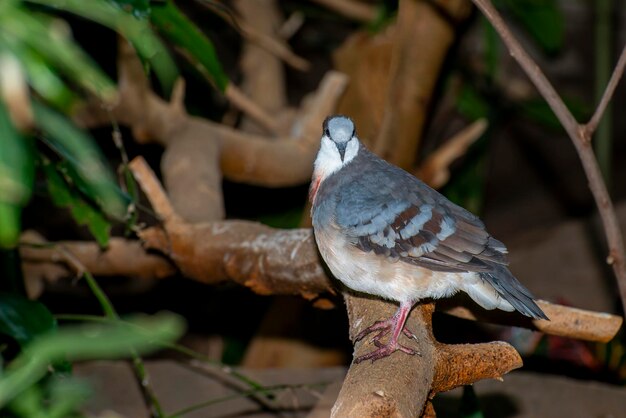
[[23, 319], [85, 165], [37, 382], [64, 195], [94, 341], [198, 49], [169, 21], [136, 31], [16, 177], [43, 71], [44, 76]]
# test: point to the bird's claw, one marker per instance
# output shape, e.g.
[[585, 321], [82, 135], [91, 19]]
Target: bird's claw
[[385, 350], [384, 327]]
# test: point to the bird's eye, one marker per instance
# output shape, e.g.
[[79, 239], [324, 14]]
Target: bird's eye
[[327, 132]]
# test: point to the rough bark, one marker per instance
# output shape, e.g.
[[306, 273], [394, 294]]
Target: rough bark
[[400, 385]]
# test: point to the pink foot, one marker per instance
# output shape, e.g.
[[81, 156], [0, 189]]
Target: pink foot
[[385, 350], [384, 327], [395, 324]]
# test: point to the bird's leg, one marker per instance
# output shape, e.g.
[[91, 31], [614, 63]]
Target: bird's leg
[[396, 324], [384, 326]]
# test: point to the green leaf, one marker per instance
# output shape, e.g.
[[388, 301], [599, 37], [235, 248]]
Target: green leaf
[[137, 31], [17, 169], [59, 397], [46, 82], [182, 32], [542, 19], [84, 158], [41, 75], [138, 8], [84, 213], [93, 341], [17, 172], [10, 224], [22, 30], [23, 319], [66, 395], [29, 403]]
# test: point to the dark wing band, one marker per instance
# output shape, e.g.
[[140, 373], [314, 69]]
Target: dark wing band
[[431, 236]]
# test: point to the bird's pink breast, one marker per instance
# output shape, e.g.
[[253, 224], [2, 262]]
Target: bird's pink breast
[[315, 185]]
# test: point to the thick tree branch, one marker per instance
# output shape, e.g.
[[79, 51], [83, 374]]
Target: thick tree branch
[[268, 276], [564, 321], [265, 259], [465, 364], [395, 386], [246, 158], [368, 390], [121, 258], [579, 136]]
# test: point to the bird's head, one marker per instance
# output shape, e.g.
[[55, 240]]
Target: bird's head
[[339, 145]]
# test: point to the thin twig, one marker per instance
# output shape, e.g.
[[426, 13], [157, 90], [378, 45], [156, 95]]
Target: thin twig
[[578, 135], [591, 126]]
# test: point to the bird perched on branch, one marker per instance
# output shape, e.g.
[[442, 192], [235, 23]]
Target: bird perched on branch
[[383, 232]]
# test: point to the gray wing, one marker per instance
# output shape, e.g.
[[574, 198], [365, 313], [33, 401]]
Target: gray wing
[[395, 215]]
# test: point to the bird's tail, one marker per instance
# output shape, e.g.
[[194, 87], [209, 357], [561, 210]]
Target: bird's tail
[[511, 290]]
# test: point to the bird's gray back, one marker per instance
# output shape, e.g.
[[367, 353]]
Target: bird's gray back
[[384, 209]]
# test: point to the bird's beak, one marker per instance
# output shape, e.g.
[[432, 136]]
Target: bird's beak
[[341, 147]]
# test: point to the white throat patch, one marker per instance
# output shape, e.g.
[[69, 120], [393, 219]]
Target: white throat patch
[[329, 159]]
